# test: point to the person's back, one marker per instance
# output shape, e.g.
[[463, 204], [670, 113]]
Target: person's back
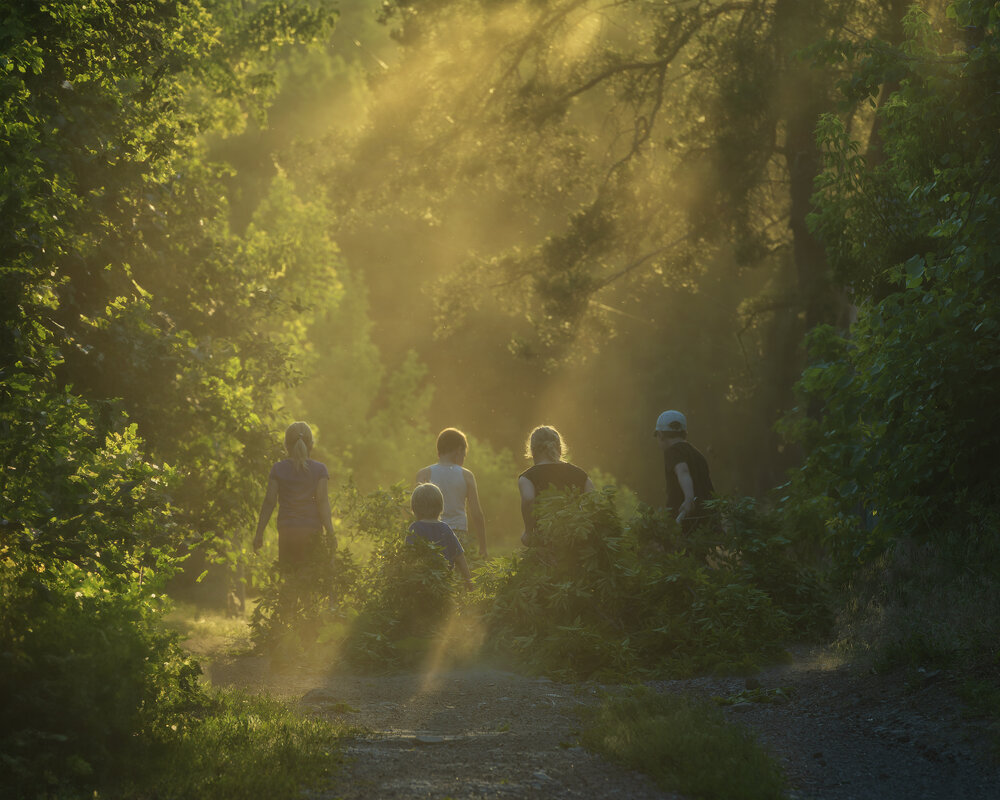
[[689, 482], [437, 533], [458, 488], [560, 475], [450, 479], [684, 452], [297, 492], [297, 485], [426, 503], [548, 471]]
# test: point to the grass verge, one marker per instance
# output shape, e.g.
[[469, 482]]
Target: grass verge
[[684, 745], [207, 632], [237, 747]]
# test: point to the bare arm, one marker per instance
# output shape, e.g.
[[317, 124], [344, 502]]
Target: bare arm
[[463, 567], [323, 505], [266, 510], [687, 486], [527, 490], [477, 520]]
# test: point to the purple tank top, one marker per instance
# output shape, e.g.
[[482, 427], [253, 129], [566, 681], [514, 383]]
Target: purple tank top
[[297, 493]]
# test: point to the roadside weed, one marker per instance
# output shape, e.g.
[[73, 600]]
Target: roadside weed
[[685, 745], [240, 746]]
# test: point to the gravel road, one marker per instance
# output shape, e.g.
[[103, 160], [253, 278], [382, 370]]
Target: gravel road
[[482, 732]]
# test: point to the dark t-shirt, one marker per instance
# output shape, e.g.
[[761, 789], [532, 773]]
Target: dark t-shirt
[[558, 475], [437, 532], [297, 493], [683, 453]]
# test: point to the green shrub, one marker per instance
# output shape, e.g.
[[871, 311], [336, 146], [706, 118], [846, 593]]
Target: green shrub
[[765, 547], [410, 592], [295, 608], [601, 600], [85, 671], [930, 603], [379, 611]]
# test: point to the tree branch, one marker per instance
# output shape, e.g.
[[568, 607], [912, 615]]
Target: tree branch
[[634, 265]]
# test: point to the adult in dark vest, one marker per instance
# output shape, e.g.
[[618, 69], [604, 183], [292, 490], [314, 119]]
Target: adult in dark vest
[[549, 471]]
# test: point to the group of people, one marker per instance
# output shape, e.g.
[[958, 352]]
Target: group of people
[[446, 502]]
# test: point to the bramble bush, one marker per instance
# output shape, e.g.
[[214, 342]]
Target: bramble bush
[[294, 608], [380, 608], [599, 599], [603, 599], [410, 592], [86, 671]]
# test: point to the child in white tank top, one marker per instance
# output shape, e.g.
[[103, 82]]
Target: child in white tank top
[[458, 485]]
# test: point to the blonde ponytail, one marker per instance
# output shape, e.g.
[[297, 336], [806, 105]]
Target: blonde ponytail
[[298, 443]]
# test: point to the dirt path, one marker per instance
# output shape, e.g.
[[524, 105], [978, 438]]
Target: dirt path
[[850, 735], [462, 734], [486, 733]]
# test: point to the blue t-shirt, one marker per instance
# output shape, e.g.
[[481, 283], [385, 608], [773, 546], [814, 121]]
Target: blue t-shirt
[[437, 532], [297, 493]]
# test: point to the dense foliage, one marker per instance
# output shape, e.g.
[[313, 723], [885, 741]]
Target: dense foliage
[[169, 303], [135, 357], [603, 598], [600, 598], [903, 435]]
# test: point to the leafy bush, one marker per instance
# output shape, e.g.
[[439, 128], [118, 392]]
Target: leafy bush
[[85, 670], [894, 416], [380, 609], [410, 590], [600, 599], [765, 547]]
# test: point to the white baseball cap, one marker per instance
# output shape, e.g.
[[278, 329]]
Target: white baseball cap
[[671, 421]]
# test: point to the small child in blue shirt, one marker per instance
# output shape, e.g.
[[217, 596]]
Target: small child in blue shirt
[[427, 503]]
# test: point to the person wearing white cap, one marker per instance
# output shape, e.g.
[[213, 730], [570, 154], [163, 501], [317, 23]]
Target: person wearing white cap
[[689, 482]]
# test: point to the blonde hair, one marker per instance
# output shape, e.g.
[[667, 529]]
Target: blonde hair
[[545, 442], [299, 443], [427, 501]]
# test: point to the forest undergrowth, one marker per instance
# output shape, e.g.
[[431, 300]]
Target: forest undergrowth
[[601, 598]]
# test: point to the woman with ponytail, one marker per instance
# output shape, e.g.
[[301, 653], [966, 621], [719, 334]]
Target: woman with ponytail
[[547, 450], [298, 486]]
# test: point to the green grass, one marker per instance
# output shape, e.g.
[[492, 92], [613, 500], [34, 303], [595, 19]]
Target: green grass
[[686, 746], [208, 632], [240, 747]]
